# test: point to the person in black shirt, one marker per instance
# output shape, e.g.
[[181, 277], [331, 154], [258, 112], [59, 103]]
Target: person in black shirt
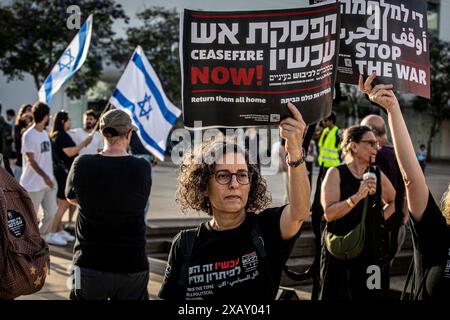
[[343, 194], [23, 121], [64, 152], [237, 255], [111, 189], [430, 230]]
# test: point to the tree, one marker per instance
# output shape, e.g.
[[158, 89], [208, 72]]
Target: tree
[[41, 36], [438, 107], [159, 37], [8, 39]]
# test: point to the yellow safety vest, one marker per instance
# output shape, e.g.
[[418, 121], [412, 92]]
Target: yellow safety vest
[[328, 152]]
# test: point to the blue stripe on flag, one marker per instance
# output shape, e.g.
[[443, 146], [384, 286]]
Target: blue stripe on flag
[[130, 105], [82, 44], [167, 114], [48, 88]]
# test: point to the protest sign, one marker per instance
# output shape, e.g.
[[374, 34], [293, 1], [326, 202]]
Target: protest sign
[[241, 68], [388, 37]]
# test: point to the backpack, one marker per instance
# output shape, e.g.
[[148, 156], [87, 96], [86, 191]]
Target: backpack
[[24, 255]]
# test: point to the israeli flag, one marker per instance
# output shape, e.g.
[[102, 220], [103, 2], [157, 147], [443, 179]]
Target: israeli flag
[[139, 92], [70, 62]]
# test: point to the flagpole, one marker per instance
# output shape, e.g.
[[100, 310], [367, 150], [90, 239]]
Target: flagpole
[[107, 107]]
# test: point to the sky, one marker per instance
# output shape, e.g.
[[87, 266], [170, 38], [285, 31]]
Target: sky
[[131, 7]]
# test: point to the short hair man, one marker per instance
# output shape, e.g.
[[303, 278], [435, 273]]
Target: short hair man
[[90, 118], [37, 175], [387, 162], [10, 115], [111, 189]]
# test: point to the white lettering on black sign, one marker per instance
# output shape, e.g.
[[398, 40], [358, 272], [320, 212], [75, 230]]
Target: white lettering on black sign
[[16, 223]]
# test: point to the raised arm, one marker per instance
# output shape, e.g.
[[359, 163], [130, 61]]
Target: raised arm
[[73, 151], [416, 188], [297, 211], [387, 195]]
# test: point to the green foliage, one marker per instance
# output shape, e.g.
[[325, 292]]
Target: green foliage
[[439, 104], [159, 37], [41, 35]]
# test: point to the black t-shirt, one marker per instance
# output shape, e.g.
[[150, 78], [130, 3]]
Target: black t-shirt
[[431, 238], [18, 141], [225, 265], [62, 141], [112, 193]]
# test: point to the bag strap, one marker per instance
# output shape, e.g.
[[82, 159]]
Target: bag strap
[[258, 242], [187, 239], [364, 212], [409, 277]]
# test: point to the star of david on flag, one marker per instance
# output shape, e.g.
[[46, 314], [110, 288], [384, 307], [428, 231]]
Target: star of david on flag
[[70, 62], [145, 112], [64, 62], [139, 92]]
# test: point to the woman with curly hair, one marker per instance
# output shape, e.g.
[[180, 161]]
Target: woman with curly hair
[[430, 226], [240, 252]]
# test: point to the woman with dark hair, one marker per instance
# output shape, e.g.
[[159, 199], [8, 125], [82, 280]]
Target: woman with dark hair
[[64, 152], [344, 275], [239, 254], [24, 120], [430, 226]]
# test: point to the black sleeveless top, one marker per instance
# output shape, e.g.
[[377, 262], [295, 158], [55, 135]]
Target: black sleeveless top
[[348, 185], [376, 243]]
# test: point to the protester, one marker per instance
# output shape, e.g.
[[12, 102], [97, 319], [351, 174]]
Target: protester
[[311, 159], [422, 157], [137, 149], [237, 255], [430, 227], [329, 156], [386, 161], [79, 135], [10, 114], [23, 121], [111, 189], [37, 176], [343, 194], [6, 137], [65, 151]]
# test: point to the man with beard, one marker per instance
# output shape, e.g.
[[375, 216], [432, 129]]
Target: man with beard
[[37, 176], [78, 135]]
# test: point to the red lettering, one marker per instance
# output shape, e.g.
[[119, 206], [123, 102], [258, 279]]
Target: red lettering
[[220, 75], [202, 75], [242, 76]]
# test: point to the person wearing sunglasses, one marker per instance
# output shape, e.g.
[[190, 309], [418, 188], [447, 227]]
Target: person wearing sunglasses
[[344, 193], [239, 254]]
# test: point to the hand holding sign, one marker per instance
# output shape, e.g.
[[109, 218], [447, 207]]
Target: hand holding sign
[[381, 94], [292, 130]]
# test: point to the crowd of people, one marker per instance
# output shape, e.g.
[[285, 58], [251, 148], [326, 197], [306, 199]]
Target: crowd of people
[[367, 191]]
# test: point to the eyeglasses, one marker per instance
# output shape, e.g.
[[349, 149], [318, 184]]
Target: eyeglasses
[[373, 143], [224, 176]]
